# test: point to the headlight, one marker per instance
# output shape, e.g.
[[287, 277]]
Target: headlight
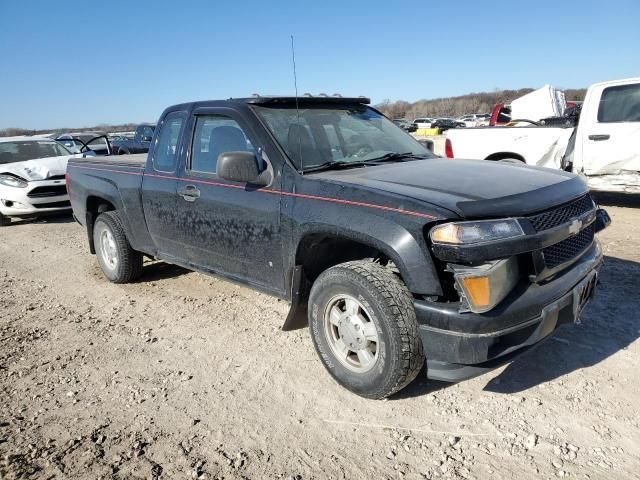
[[11, 181], [485, 286], [466, 233]]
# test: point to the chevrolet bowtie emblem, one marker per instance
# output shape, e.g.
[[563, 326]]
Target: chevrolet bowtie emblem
[[575, 226]]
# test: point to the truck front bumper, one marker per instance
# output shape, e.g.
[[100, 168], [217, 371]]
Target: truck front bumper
[[459, 346]]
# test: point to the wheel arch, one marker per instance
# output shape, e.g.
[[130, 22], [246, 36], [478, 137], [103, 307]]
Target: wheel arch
[[505, 155], [323, 247], [95, 205]]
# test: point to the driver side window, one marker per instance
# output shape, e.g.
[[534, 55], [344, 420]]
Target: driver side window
[[214, 135]]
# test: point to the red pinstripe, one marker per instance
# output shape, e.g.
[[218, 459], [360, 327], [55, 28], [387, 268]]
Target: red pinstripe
[[272, 192]]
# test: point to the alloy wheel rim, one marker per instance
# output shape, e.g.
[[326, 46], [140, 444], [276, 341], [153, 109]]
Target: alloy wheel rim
[[108, 249], [351, 333]]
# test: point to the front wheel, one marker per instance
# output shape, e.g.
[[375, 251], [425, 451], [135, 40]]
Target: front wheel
[[364, 328], [4, 221], [119, 262]]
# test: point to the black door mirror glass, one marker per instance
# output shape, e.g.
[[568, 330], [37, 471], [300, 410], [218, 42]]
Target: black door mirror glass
[[241, 167]]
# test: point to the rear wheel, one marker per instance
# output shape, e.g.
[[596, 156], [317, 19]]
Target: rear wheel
[[4, 221], [364, 328], [119, 262]]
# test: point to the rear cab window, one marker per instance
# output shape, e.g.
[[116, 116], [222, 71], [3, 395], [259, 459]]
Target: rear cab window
[[620, 104], [165, 151]]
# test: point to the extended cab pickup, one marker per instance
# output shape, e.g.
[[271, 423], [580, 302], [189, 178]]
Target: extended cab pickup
[[603, 148], [389, 254]]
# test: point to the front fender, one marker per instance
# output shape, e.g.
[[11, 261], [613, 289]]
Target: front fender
[[404, 246]]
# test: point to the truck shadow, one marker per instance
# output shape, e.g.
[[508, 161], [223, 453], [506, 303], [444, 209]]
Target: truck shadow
[[53, 218], [159, 270], [609, 325]]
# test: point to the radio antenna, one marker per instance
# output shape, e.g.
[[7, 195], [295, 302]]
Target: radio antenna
[[295, 85]]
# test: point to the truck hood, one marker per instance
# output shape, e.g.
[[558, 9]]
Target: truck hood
[[37, 169], [470, 188]]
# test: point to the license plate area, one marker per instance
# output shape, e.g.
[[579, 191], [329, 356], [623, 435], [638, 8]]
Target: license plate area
[[582, 293]]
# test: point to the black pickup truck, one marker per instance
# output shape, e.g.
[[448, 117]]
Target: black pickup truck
[[390, 254], [138, 144]]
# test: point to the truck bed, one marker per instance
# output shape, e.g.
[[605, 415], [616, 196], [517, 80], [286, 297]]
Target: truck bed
[[137, 160]]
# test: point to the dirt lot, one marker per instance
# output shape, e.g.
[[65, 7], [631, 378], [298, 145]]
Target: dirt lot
[[186, 376]]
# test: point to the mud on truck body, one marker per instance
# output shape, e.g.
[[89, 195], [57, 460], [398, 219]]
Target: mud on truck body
[[390, 255]]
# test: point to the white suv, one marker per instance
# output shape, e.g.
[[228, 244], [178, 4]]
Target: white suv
[[423, 122]]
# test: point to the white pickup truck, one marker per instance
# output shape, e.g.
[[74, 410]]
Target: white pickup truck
[[604, 147]]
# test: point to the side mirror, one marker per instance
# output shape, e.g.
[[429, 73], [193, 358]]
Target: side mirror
[[241, 167]]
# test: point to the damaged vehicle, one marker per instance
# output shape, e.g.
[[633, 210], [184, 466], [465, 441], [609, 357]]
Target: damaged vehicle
[[390, 255], [32, 177], [603, 148]]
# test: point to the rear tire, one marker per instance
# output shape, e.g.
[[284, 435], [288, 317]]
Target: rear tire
[[119, 262], [4, 221], [364, 328]]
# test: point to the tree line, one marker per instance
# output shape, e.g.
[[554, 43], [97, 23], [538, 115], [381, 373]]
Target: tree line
[[454, 107], [14, 132]]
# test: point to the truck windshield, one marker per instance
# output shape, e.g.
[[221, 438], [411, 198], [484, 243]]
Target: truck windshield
[[319, 135], [23, 150]]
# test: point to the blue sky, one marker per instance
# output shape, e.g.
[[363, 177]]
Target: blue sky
[[83, 63]]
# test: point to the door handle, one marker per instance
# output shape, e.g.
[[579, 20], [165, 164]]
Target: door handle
[[599, 138], [189, 193]]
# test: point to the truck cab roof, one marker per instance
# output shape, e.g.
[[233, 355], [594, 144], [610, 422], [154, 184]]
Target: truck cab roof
[[305, 99]]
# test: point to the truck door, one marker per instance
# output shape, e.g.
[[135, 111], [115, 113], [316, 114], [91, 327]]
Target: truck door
[[227, 227], [610, 129], [159, 187]]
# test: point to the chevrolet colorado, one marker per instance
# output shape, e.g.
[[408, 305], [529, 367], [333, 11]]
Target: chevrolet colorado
[[389, 254]]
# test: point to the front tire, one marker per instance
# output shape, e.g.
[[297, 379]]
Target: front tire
[[363, 326], [4, 221], [119, 262]]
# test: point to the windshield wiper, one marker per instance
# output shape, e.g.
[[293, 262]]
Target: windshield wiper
[[333, 164], [393, 156], [388, 157]]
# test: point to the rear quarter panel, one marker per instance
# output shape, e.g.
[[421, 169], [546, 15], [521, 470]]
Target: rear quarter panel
[[541, 146], [117, 184]]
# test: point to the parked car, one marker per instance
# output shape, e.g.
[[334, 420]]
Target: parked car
[[387, 253], [423, 122], [138, 144], [603, 148], [32, 177], [475, 120], [406, 125], [444, 124], [81, 142]]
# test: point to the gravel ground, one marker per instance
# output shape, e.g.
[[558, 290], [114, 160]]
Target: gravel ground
[[185, 376]]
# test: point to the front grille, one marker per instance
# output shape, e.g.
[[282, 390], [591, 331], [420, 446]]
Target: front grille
[[64, 204], [48, 191], [56, 177], [565, 213], [568, 248]]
